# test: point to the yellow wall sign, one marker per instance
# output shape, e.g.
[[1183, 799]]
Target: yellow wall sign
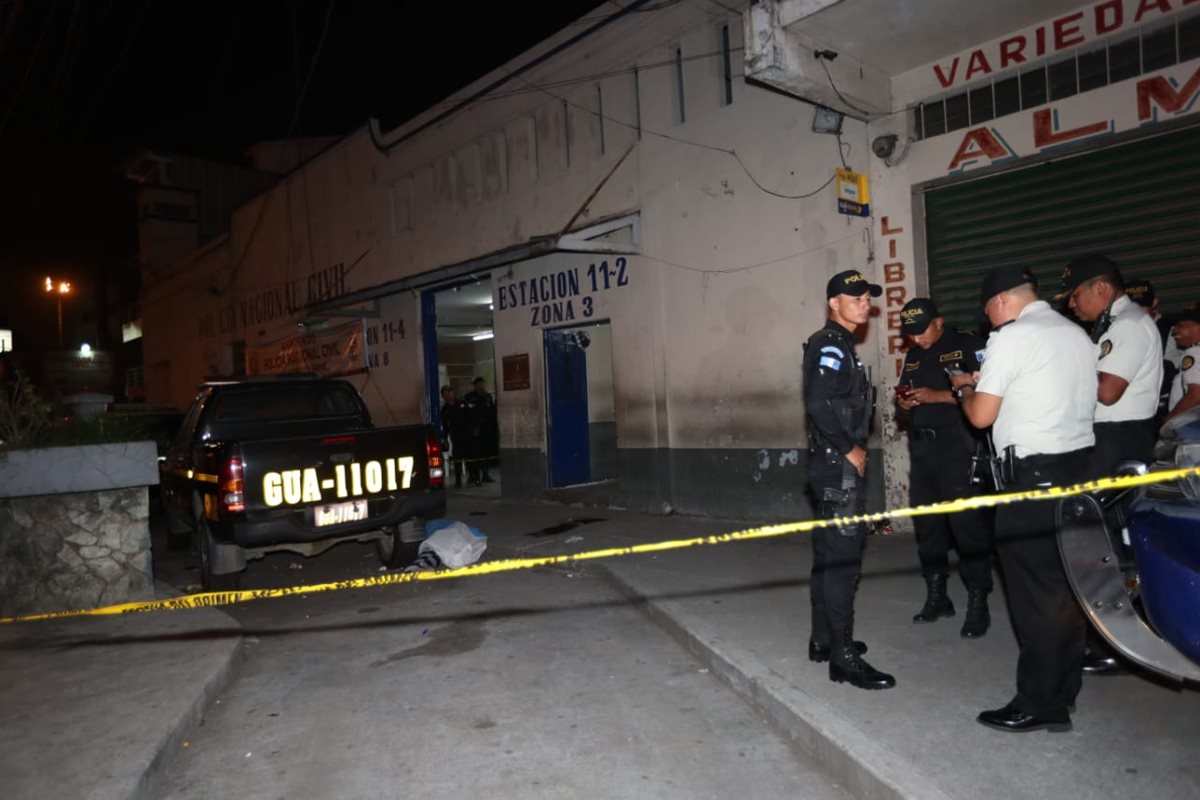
[[853, 193]]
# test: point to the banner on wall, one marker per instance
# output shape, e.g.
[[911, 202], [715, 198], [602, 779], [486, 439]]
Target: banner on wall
[[331, 352]]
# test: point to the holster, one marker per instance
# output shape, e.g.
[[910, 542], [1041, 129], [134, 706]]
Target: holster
[[841, 502], [1010, 470]]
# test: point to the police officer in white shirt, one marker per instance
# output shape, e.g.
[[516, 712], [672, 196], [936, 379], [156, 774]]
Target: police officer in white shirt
[[1185, 388], [1142, 292], [1129, 352], [1037, 389]]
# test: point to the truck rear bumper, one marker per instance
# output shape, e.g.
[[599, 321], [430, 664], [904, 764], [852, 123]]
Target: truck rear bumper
[[296, 526]]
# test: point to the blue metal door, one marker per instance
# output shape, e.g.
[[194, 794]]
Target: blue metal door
[[567, 409]]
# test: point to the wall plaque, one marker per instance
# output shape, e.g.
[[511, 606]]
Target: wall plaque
[[516, 372]]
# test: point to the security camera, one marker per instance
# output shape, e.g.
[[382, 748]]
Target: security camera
[[885, 145]]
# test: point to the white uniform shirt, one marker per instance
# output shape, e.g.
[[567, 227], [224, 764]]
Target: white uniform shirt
[[1189, 373], [1043, 366], [1131, 348]]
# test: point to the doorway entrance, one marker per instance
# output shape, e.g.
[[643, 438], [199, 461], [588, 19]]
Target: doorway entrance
[[581, 433], [458, 343]]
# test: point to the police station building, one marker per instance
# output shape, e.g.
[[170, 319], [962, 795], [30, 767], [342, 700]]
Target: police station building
[[627, 230]]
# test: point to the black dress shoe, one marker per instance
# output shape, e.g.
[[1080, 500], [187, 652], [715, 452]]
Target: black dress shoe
[[1014, 720], [820, 652]]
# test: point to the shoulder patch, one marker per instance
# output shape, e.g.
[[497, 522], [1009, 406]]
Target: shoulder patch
[[1187, 363], [831, 362], [1105, 347], [953, 355], [833, 350], [912, 366]]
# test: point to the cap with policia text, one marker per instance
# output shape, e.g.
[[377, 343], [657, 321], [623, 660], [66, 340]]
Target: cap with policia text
[[1002, 279], [1140, 292], [916, 316], [1083, 269], [853, 283]]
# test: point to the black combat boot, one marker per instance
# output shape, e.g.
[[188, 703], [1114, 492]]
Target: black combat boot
[[820, 652], [937, 602], [846, 665], [978, 618]]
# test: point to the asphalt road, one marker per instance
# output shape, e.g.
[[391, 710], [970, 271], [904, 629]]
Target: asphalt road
[[536, 684]]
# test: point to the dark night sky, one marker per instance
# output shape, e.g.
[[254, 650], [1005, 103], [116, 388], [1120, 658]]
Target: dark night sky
[[86, 83]]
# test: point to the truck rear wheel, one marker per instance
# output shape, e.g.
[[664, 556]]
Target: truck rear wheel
[[212, 581], [398, 546]]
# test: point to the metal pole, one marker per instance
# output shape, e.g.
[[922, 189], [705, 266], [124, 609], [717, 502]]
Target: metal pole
[[60, 325]]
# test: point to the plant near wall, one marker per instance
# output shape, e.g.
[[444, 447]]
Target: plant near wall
[[25, 418], [27, 421]]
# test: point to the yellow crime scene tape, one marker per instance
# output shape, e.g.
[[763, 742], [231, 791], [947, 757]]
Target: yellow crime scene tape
[[210, 599]]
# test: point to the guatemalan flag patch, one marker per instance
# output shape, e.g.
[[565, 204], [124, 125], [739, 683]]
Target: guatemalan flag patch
[[831, 357]]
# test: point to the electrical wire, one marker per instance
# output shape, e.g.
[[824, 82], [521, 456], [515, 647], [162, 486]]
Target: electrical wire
[[842, 97], [37, 49], [533, 88], [233, 270], [755, 265], [98, 97], [542, 88], [726, 150]]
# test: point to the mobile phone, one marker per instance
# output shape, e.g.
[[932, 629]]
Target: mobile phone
[[953, 372]]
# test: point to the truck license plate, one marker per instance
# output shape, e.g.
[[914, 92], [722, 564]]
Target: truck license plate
[[338, 513]]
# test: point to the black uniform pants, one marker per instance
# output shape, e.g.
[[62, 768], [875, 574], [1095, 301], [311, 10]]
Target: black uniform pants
[[837, 552], [1122, 441], [1049, 624], [940, 468]]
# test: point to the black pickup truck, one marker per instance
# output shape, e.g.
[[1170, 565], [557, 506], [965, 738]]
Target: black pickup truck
[[294, 463]]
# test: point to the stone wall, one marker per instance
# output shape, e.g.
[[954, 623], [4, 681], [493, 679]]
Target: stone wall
[[74, 550]]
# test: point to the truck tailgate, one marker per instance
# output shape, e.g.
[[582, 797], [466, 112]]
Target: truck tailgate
[[336, 479]]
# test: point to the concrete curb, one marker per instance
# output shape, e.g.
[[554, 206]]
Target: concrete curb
[[854, 758], [181, 730]]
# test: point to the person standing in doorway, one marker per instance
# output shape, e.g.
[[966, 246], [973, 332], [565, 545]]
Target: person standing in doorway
[[941, 446], [451, 429], [838, 401], [479, 418], [1037, 391]]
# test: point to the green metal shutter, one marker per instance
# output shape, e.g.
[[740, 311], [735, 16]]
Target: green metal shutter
[[1137, 203]]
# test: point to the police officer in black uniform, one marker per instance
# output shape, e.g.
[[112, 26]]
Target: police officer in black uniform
[[839, 399], [452, 432], [941, 445]]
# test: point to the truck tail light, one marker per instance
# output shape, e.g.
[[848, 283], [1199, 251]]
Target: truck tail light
[[437, 466], [231, 489]]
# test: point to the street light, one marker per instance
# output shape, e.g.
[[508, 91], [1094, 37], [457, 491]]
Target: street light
[[58, 289]]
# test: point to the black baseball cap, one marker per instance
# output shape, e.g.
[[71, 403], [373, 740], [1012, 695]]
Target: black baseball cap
[[1085, 268], [1002, 279], [1190, 313], [916, 315], [853, 283], [1140, 292]]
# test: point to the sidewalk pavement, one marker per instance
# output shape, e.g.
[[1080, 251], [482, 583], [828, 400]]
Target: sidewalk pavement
[[93, 707], [742, 609]]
